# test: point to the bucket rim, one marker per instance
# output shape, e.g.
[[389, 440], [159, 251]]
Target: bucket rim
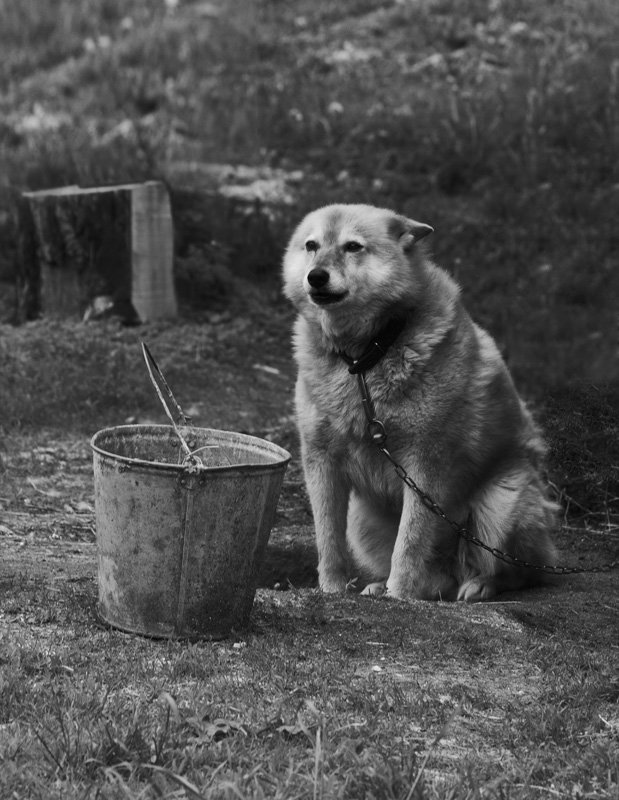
[[281, 462]]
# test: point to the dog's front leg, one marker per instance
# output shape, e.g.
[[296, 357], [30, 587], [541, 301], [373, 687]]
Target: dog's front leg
[[328, 491], [423, 563]]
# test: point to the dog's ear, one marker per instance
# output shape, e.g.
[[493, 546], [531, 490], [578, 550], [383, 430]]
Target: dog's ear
[[408, 231]]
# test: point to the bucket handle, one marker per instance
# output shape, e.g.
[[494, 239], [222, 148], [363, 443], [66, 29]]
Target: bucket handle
[[190, 458]]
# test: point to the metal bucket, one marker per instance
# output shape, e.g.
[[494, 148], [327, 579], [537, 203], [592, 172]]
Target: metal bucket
[[180, 546]]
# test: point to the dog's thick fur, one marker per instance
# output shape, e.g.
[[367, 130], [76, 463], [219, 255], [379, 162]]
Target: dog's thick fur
[[451, 412]]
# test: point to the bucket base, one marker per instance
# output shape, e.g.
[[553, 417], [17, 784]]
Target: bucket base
[[158, 637]]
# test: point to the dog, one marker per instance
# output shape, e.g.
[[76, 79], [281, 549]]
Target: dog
[[452, 416]]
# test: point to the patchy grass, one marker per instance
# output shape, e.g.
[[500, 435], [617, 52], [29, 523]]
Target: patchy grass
[[321, 698]]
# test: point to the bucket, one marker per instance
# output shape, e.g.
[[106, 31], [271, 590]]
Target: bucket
[[180, 545]]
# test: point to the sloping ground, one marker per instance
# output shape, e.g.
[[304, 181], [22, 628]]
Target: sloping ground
[[496, 122]]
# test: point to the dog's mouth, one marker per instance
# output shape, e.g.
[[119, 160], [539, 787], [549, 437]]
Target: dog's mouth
[[324, 298]]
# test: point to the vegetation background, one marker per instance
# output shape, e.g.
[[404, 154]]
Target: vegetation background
[[497, 121]]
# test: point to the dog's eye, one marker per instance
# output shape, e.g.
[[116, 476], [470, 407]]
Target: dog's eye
[[352, 247], [311, 246]]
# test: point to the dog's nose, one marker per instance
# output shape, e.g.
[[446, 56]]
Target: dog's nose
[[318, 278]]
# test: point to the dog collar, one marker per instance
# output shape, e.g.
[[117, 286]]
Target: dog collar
[[377, 348]]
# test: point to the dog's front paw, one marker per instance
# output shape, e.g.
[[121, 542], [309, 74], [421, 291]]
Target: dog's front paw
[[333, 583], [375, 589], [424, 585], [475, 590]]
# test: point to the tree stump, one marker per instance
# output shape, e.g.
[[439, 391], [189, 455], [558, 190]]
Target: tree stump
[[94, 252]]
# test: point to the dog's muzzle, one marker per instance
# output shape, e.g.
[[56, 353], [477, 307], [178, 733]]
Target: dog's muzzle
[[318, 279]]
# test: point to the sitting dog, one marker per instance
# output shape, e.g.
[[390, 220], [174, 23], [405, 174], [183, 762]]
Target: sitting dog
[[366, 292]]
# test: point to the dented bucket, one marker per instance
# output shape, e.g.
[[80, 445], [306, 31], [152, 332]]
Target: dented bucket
[[180, 545]]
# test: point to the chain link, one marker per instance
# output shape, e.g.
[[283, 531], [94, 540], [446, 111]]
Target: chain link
[[378, 434]]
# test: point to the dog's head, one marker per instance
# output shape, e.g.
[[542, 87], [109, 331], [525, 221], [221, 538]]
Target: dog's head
[[351, 258]]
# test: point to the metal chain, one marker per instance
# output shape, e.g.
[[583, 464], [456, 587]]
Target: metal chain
[[378, 434]]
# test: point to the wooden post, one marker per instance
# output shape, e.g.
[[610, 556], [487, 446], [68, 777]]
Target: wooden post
[[88, 252], [152, 289]]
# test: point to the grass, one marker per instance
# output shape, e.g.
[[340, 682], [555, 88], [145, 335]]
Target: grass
[[498, 122], [322, 710]]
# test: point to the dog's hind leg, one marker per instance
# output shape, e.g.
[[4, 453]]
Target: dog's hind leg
[[513, 516]]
